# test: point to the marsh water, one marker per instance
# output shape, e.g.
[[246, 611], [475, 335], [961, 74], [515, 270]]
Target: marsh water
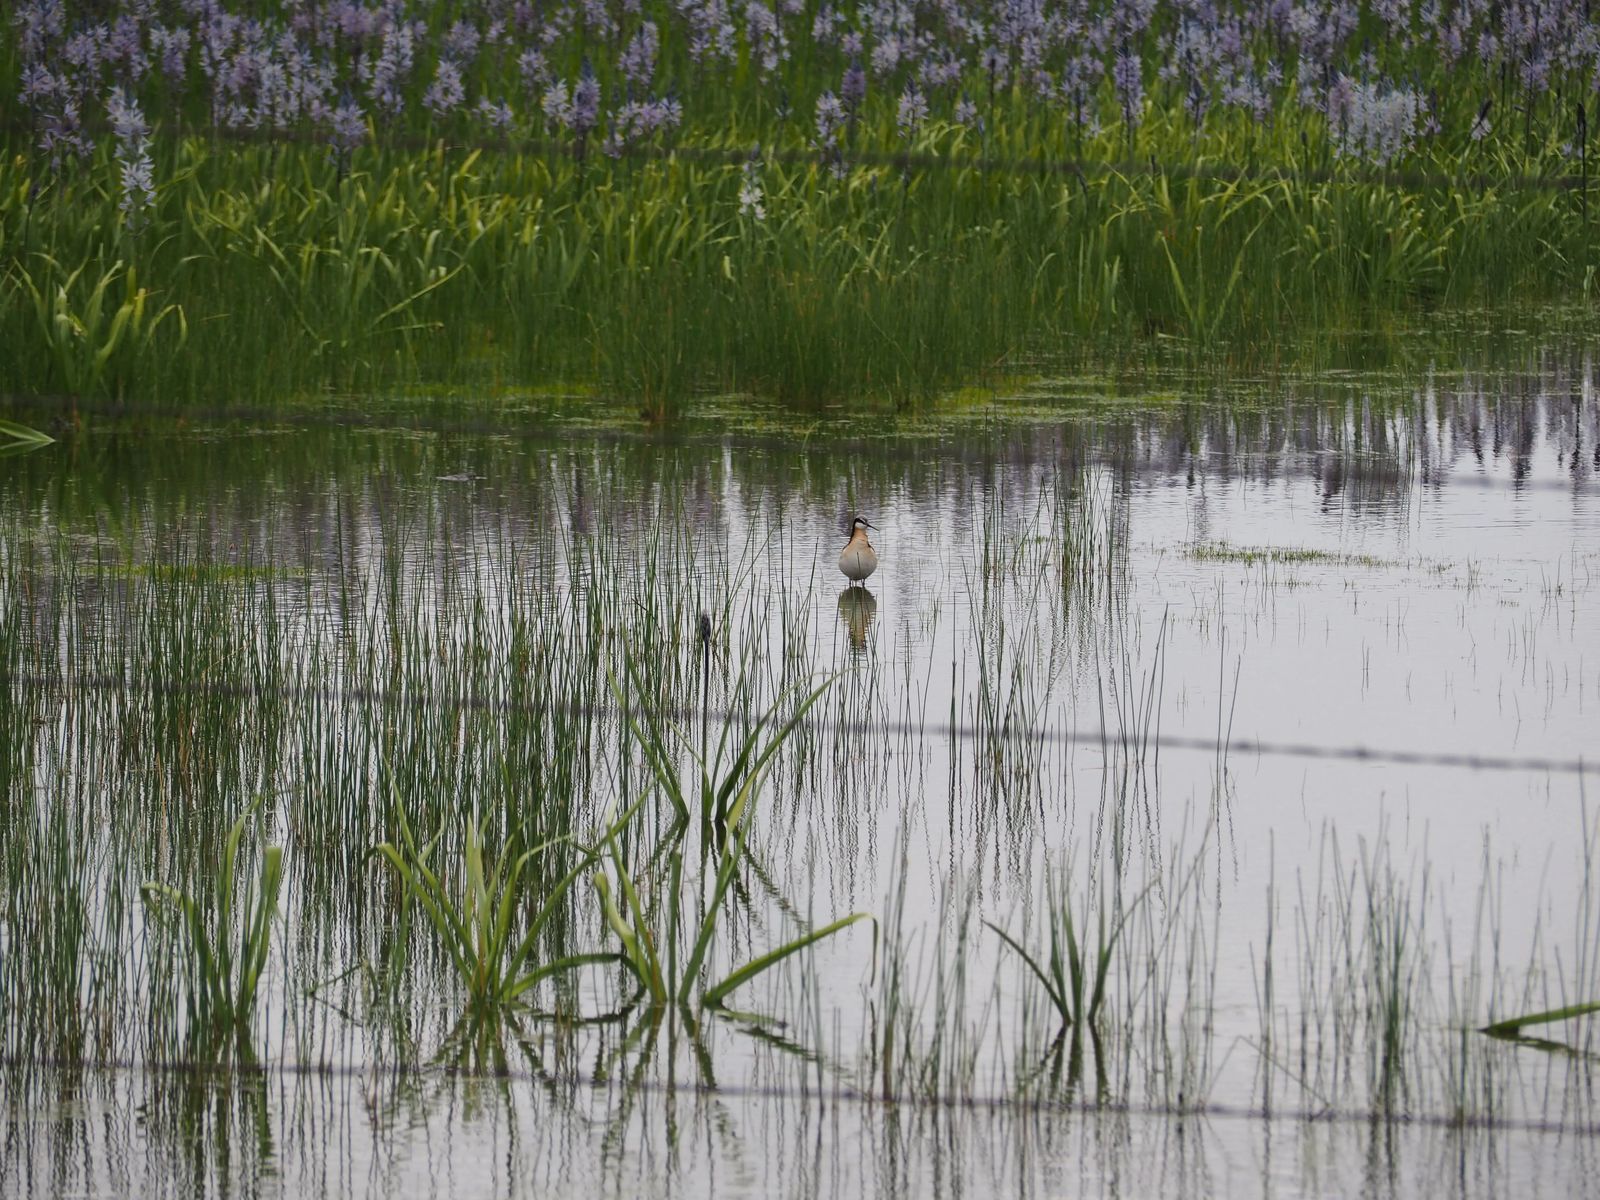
[[1288, 688]]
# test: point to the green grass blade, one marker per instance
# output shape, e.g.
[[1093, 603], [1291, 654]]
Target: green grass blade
[[1512, 1026], [714, 996], [21, 436], [702, 943], [425, 889], [1056, 997]]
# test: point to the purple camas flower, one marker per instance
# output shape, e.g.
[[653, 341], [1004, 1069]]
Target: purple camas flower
[[38, 85], [635, 120], [1372, 121], [638, 61], [767, 41], [1535, 70], [128, 125], [940, 69], [124, 46], [826, 25], [557, 104], [446, 92], [966, 112], [657, 115], [533, 69], [992, 62], [913, 111], [393, 64], [853, 88], [496, 114], [62, 133], [831, 117], [461, 42], [85, 51], [752, 198], [711, 32], [597, 18], [886, 56], [1481, 125], [132, 133], [354, 21], [1127, 77], [38, 23], [347, 127], [173, 47], [138, 185], [585, 101]]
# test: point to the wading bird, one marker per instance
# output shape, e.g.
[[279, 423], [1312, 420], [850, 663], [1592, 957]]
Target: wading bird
[[858, 559]]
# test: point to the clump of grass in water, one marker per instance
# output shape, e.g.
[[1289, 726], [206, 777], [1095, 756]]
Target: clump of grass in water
[[475, 926], [1074, 981], [727, 801], [1251, 555], [920, 1042], [1394, 976], [662, 980], [225, 955], [720, 787]]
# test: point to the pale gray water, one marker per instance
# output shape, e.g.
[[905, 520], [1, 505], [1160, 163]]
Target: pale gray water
[[1323, 677]]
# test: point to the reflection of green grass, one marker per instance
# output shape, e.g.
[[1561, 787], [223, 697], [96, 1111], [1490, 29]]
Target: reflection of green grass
[[1282, 555]]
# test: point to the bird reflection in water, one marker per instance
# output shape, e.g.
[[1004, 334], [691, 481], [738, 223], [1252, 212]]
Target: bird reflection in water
[[857, 608]]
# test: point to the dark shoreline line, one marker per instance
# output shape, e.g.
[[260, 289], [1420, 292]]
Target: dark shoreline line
[[1092, 737]]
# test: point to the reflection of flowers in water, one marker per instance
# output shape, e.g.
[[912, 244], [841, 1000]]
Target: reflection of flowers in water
[[857, 608]]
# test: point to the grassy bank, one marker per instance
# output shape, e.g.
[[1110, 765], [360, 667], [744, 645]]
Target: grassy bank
[[806, 202], [266, 275]]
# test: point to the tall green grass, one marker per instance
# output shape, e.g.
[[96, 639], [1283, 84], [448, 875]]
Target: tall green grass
[[271, 276]]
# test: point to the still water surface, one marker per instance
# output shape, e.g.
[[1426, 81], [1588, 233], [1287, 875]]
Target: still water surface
[[1297, 685]]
